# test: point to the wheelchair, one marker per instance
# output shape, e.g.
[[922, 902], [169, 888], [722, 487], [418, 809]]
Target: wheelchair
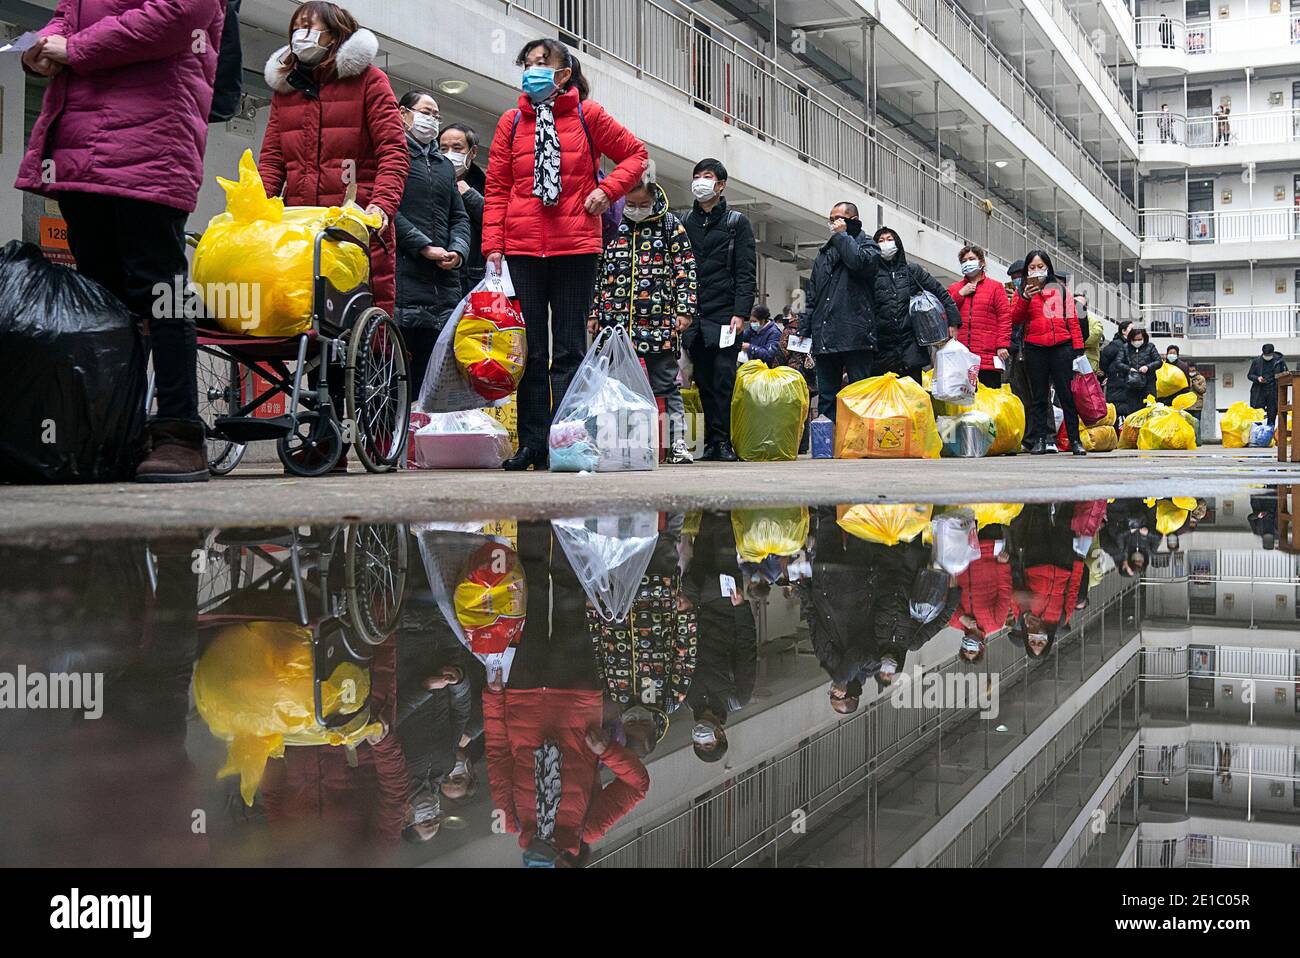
[[349, 383]]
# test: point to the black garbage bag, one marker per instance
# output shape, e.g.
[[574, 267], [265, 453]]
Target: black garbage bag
[[73, 382], [929, 593]]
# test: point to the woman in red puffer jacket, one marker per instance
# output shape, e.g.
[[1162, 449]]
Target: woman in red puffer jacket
[[542, 211], [334, 121], [985, 315], [1053, 339], [985, 593]]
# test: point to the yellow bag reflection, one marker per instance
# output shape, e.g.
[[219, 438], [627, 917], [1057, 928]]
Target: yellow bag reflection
[[254, 687], [995, 513], [768, 410], [1098, 438], [1165, 428], [1169, 380], [1236, 422], [886, 523], [885, 417], [1171, 514], [253, 266], [764, 532]]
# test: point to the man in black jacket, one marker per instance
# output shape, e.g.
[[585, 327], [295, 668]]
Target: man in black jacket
[[726, 267], [839, 315], [1264, 370], [459, 144], [432, 236], [895, 282]]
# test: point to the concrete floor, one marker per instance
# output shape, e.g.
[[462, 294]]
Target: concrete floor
[[260, 495]]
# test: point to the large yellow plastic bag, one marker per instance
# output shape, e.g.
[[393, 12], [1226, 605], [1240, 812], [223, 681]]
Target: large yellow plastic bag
[[254, 686], [968, 436], [885, 417], [1169, 380], [1171, 514], [253, 266], [1166, 428], [489, 341], [1111, 416], [1098, 438], [1128, 436], [768, 410], [764, 532], [995, 513], [885, 523], [608, 420], [1236, 422]]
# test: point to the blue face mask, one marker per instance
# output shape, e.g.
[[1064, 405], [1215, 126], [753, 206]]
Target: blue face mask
[[538, 82]]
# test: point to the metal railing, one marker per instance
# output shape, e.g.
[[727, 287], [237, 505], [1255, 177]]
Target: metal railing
[[1214, 851], [1156, 127], [1272, 224], [1093, 61], [1223, 322], [1111, 803], [719, 72], [1222, 35], [959, 34], [1229, 662]]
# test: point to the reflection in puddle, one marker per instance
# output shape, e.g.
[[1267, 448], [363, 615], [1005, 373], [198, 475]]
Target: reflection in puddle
[[1103, 682]]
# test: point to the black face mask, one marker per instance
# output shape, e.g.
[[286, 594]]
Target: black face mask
[[853, 226]]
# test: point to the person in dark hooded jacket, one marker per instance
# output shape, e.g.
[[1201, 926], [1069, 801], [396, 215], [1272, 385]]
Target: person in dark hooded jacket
[[1264, 370], [839, 317], [895, 282], [1114, 388], [1139, 356]]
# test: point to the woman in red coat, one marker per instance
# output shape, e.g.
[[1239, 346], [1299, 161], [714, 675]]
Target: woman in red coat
[[1052, 341], [334, 121], [542, 212], [985, 315]]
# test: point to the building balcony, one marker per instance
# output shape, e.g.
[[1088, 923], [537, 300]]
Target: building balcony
[[1179, 236], [1171, 47], [1172, 139], [1223, 322]]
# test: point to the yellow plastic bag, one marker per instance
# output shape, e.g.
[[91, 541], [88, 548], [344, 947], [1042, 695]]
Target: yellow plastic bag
[[885, 417], [885, 523], [1111, 416], [1165, 428], [768, 410], [1185, 401], [694, 412], [490, 343], [1169, 380], [253, 266], [1236, 422], [764, 532], [254, 687], [491, 599], [1171, 515], [1128, 436], [1098, 438], [996, 513]]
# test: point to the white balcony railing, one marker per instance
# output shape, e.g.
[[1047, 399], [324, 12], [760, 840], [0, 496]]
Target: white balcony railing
[[1093, 60], [1220, 226], [1212, 851], [1224, 35], [1156, 127], [1223, 322]]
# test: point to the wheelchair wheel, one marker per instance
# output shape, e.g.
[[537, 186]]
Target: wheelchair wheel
[[375, 561], [376, 391], [314, 448], [219, 394]]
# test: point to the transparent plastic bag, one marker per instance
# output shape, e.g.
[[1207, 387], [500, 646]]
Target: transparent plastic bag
[[608, 420], [461, 440], [955, 540], [768, 410], [968, 436], [493, 344], [956, 374], [609, 555], [1261, 435], [928, 595], [929, 319]]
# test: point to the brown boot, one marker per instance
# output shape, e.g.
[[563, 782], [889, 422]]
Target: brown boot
[[177, 453]]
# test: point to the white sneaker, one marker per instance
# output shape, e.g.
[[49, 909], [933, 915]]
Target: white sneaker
[[679, 455]]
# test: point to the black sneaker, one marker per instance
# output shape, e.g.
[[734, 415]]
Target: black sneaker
[[710, 453], [726, 453]]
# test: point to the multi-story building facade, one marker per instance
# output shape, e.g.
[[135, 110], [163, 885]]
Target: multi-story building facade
[[1029, 124]]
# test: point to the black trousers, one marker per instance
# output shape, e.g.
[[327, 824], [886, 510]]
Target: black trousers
[[1052, 365], [136, 250], [831, 368], [556, 649], [991, 378], [880, 367], [555, 297], [419, 343], [715, 375]]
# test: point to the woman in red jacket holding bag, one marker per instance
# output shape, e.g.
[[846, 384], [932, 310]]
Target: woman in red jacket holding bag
[[334, 122], [542, 211], [1052, 341], [985, 315]]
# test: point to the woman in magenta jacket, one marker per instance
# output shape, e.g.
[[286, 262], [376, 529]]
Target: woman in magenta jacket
[[1052, 341], [542, 212], [119, 142], [985, 315]]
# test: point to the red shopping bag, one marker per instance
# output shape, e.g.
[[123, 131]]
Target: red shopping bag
[[1089, 517], [1089, 400]]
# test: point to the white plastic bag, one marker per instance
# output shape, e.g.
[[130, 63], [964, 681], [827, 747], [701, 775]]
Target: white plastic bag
[[608, 420], [1082, 366], [609, 556], [461, 440], [956, 374], [445, 388], [956, 540]]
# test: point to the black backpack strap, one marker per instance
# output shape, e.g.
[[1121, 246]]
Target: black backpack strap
[[591, 145], [732, 223]]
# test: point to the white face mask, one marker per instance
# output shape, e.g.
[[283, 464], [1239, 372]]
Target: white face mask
[[459, 160], [970, 267], [703, 187], [305, 45], [703, 734], [637, 213], [888, 248], [424, 128], [1038, 274]]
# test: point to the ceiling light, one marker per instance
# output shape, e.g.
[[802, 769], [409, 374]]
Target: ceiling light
[[1000, 163], [452, 87]]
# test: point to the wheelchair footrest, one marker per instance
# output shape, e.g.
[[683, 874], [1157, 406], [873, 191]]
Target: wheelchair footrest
[[251, 428]]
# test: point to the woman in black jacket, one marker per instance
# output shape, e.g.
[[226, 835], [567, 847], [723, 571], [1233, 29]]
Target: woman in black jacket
[[1134, 369], [433, 234], [895, 283], [1115, 388]]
